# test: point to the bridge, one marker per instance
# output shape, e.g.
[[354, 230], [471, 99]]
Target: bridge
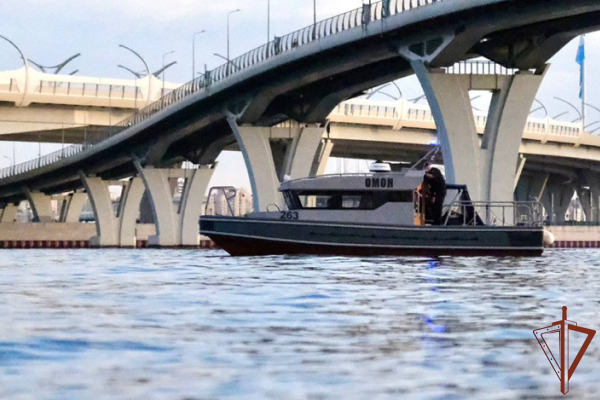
[[42, 107], [556, 158], [302, 77]]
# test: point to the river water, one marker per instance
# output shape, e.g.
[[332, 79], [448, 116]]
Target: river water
[[168, 324]]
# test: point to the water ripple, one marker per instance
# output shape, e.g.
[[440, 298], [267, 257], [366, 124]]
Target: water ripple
[[112, 324]]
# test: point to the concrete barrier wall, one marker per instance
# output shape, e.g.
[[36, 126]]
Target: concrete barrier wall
[[575, 236], [60, 231]]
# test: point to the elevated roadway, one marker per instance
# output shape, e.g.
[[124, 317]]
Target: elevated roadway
[[41, 107]]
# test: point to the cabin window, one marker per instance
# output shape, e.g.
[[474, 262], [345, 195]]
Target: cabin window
[[316, 201], [343, 200], [352, 201]]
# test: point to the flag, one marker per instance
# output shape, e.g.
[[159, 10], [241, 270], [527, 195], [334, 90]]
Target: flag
[[580, 59]]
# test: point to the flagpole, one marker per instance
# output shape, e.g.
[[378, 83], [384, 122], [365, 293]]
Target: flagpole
[[583, 91]]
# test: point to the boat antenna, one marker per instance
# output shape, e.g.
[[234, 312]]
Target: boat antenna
[[430, 156]]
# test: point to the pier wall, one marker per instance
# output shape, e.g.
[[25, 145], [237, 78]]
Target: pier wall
[[575, 236], [58, 235]]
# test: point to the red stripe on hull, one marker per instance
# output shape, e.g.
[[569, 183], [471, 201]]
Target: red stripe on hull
[[237, 246]]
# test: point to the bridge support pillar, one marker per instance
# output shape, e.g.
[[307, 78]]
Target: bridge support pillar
[[488, 167], [557, 199], [323, 157], [9, 213], [302, 152], [256, 150], [531, 187], [175, 226], [114, 229], [254, 142], [41, 206], [71, 207], [589, 196]]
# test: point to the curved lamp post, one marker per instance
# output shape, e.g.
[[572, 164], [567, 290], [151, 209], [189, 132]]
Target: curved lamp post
[[593, 123], [228, 60], [58, 67], [194, 52], [574, 108], [163, 71], [380, 88], [25, 63], [228, 15], [541, 107], [136, 74], [145, 66], [417, 99]]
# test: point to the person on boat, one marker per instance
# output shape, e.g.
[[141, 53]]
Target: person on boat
[[435, 183]]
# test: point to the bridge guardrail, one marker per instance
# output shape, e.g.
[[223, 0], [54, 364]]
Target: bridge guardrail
[[405, 112], [289, 42], [479, 68]]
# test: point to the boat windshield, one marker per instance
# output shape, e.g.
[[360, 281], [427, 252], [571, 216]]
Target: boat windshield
[[345, 200]]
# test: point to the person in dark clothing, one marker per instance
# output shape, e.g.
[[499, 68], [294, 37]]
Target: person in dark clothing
[[436, 184]]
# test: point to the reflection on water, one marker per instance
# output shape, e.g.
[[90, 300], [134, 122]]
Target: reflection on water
[[202, 325]]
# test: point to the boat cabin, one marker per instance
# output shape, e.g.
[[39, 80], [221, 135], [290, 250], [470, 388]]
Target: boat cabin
[[379, 198]]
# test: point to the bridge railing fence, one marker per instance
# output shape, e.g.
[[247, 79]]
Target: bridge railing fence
[[330, 26], [408, 111], [86, 89], [9, 85], [479, 68]]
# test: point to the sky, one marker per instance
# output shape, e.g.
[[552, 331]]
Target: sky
[[48, 32]]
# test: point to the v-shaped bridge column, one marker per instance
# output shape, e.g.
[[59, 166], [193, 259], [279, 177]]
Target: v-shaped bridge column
[[175, 226], [531, 187], [72, 206], [9, 213], [590, 195], [41, 206], [299, 160], [114, 229], [302, 152], [487, 167], [557, 198]]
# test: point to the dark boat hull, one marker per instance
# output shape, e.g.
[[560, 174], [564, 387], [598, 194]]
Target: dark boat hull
[[249, 237]]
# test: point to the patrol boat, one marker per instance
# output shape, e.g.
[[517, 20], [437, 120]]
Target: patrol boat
[[377, 213]]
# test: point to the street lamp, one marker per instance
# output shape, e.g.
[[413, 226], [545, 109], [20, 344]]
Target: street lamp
[[268, 21], [228, 15], [542, 107], [163, 68], [136, 74], [194, 52], [228, 61], [145, 66], [380, 88], [574, 108], [57, 68], [10, 160], [25, 63]]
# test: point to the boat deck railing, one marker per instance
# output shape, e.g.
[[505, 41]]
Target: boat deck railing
[[494, 213], [220, 201]]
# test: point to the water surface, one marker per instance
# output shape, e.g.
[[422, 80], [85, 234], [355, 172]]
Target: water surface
[[166, 324]]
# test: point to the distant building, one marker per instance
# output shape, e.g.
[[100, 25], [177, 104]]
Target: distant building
[[239, 205]]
